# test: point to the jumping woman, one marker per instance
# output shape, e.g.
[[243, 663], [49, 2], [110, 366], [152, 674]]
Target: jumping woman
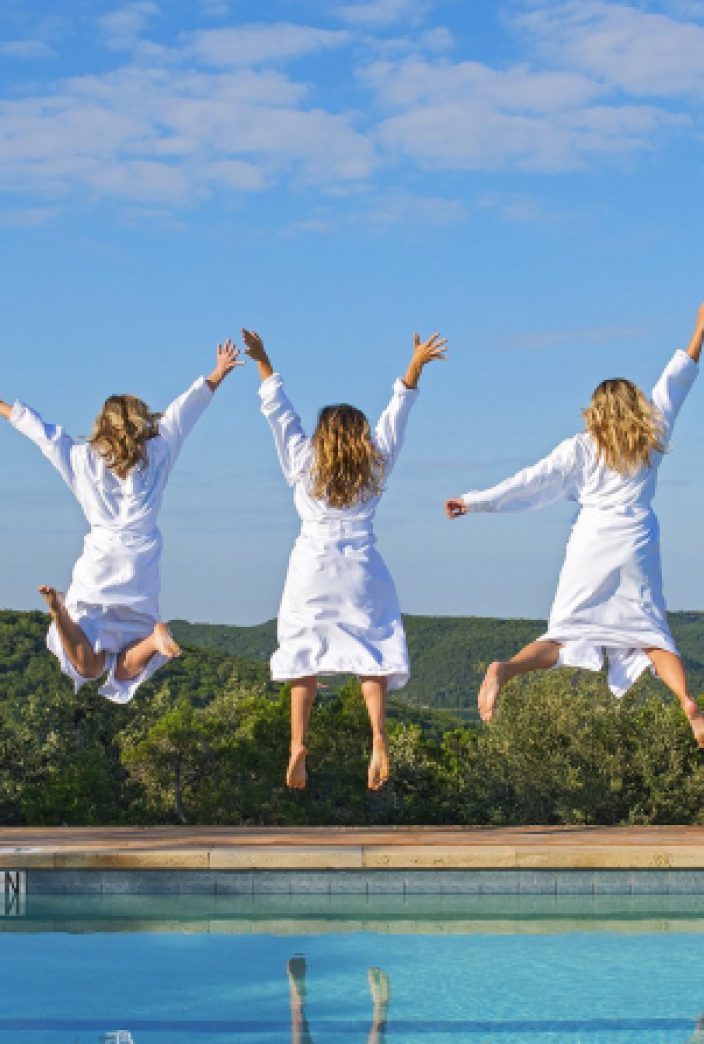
[[339, 610], [609, 599], [109, 619]]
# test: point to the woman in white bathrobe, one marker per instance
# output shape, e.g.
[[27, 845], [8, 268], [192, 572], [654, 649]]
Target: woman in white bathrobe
[[339, 611], [108, 621], [609, 599]]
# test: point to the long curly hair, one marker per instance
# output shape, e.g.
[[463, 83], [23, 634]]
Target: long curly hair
[[121, 432], [626, 427], [347, 467]]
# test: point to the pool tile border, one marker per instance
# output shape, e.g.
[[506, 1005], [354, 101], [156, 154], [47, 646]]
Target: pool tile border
[[364, 882]]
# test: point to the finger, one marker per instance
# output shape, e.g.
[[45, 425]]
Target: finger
[[416, 339]]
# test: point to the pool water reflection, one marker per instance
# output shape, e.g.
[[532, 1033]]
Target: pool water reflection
[[149, 970]]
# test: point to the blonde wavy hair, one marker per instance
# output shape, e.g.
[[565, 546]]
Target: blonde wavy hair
[[347, 467], [626, 427], [121, 432]]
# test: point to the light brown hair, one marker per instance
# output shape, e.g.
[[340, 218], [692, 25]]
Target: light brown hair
[[626, 427], [121, 432], [347, 467]]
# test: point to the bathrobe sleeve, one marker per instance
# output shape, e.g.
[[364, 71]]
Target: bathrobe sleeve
[[292, 444], [391, 426], [179, 418], [555, 477], [51, 439], [673, 387]]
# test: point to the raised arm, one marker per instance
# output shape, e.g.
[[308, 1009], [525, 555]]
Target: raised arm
[[254, 348], [552, 478], [391, 426], [678, 377], [180, 416], [695, 345], [51, 440], [291, 442]]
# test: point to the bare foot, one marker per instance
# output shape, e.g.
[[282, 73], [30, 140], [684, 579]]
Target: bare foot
[[164, 642], [378, 772], [379, 987], [53, 598], [296, 971], [296, 777], [696, 720], [489, 690], [380, 991]]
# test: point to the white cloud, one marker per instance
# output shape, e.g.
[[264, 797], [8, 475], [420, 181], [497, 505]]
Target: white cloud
[[381, 13], [122, 28], [174, 136], [437, 40], [468, 116], [26, 49], [213, 111], [546, 339], [419, 80], [27, 217], [260, 43], [384, 210], [215, 8], [685, 8], [625, 47], [400, 208], [516, 207]]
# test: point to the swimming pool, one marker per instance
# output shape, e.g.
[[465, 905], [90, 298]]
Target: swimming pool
[[152, 970]]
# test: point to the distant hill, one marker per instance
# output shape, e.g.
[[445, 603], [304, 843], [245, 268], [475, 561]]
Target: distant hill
[[448, 653]]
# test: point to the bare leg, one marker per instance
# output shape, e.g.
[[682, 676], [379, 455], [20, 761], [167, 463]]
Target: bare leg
[[303, 692], [135, 658], [75, 644], [379, 989], [296, 971], [670, 669], [374, 693], [538, 656]]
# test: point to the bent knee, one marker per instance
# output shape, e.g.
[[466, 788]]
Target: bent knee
[[90, 667]]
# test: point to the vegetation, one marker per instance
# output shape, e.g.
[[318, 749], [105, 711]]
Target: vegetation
[[449, 653], [206, 740]]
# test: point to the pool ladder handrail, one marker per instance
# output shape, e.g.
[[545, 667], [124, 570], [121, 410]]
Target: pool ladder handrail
[[14, 893]]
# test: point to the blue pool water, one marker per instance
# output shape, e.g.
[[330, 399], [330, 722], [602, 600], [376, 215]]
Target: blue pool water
[[221, 975]]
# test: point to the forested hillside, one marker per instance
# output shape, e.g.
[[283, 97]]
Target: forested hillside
[[206, 742], [448, 653]]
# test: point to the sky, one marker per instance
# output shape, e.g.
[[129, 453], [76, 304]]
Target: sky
[[524, 176]]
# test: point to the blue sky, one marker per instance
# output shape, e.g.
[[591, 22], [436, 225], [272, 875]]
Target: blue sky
[[525, 177]]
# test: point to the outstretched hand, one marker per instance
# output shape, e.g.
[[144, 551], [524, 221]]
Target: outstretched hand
[[254, 348], [423, 353], [5, 410], [253, 345], [228, 357], [455, 507]]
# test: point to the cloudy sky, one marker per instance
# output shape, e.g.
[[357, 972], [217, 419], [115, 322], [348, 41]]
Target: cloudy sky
[[525, 176]]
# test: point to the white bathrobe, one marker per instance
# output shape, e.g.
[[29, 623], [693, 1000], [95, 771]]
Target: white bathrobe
[[609, 598], [114, 590], [339, 611]]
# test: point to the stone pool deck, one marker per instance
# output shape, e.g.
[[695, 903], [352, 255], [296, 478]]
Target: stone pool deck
[[532, 848]]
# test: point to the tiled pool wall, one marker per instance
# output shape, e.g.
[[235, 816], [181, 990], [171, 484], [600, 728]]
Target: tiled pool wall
[[364, 882]]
